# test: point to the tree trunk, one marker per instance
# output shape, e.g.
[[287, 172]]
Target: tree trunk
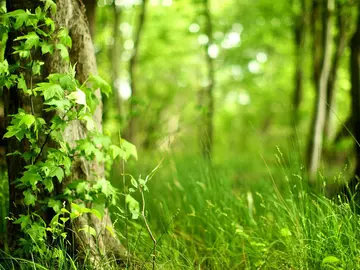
[[317, 29], [355, 100], [300, 54], [131, 134], [206, 100], [70, 14], [341, 42], [115, 58], [316, 143], [13, 100], [90, 6]]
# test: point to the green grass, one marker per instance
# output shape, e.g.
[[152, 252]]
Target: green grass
[[212, 218], [274, 222]]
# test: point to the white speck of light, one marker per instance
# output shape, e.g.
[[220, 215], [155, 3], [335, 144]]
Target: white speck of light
[[243, 98], [238, 27], [125, 56], [194, 28], [126, 28], [155, 2], [126, 3], [167, 3], [237, 72], [205, 82], [231, 40], [203, 39], [218, 35], [123, 88], [213, 51], [261, 57], [110, 41], [101, 3], [129, 44], [254, 66]]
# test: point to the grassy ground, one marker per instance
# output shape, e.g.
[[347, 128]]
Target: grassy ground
[[233, 216], [212, 219]]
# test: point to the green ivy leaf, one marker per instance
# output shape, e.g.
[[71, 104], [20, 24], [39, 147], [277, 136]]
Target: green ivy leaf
[[49, 185], [38, 13], [24, 221], [46, 48], [63, 51], [28, 120], [31, 177], [116, 151], [49, 4], [22, 84], [105, 187], [15, 131], [64, 37], [36, 67], [89, 230], [50, 23], [58, 173], [29, 198], [98, 82], [4, 68], [133, 182], [96, 213], [50, 90], [133, 205], [55, 204], [32, 40], [21, 17], [129, 149], [82, 187]]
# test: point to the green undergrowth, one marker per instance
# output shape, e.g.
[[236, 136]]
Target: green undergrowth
[[208, 217], [203, 219]]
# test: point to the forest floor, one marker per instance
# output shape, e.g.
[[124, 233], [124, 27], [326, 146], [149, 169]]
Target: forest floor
[[222, 218]]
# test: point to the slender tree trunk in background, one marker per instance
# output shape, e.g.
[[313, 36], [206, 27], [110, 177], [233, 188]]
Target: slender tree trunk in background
[[300, 54], [355, 99], [341, 42], [206, 100], [316, 149], [317, 29], [115, 58], [70, 14], [131, 135], [90, 6]]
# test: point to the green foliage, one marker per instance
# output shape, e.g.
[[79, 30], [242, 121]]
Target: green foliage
[[47, 167]]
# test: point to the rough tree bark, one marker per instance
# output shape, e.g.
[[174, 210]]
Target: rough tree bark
[[355, 100], [316, 142], [70, 14], [90, 6], [131, 132], [206, 100]]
